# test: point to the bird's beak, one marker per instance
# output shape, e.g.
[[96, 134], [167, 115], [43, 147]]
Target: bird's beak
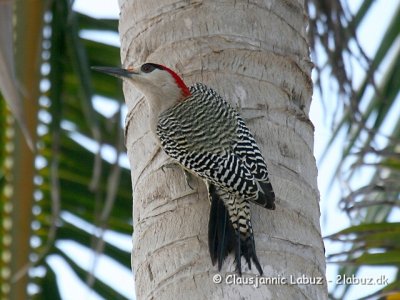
[[117, 72]]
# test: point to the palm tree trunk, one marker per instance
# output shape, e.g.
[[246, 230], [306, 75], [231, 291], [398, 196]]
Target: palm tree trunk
[[255, 54]]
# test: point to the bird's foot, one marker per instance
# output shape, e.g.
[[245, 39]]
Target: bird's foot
[[189, 177]]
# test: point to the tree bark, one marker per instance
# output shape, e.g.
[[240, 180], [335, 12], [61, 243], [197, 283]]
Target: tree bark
[[255, 54]]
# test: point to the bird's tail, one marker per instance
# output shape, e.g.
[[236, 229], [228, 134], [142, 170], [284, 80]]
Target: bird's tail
[[230, 230]]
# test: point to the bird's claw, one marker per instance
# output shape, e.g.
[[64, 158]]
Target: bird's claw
[[170, 166], [189, 177]]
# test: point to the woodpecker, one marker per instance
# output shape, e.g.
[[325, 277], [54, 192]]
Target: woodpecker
[[203, 133]]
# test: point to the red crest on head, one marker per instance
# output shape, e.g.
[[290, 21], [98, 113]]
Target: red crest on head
[[179, 82]]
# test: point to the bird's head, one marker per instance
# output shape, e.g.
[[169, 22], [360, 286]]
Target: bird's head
[[156, 82]]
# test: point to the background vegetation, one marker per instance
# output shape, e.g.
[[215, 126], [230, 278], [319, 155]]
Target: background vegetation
[[76, 188]]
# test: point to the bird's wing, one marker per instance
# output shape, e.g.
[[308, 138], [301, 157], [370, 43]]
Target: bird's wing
[[226, 171], [207, 136], [247, 149]]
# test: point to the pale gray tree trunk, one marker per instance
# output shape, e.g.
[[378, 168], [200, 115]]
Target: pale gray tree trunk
[[254, 53]]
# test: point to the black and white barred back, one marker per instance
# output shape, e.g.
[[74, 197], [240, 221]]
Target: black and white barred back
[[208, 137]]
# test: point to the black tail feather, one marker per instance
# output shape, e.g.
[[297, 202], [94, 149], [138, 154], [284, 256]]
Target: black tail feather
[[250, 252], [223, 239], [238, 256], [220, 231]]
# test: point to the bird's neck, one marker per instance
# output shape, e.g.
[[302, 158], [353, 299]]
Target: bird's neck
[[157, 105], [154, 115]]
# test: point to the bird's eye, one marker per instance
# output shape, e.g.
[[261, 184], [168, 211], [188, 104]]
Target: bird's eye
[[147, 68]]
